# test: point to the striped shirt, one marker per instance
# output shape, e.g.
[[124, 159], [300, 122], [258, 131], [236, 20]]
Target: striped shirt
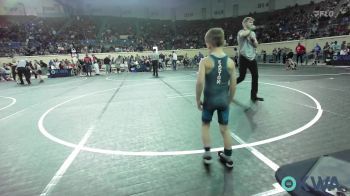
[[155, 56], [22, 63], [246, 47]]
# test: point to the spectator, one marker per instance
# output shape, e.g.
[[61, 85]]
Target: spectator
[[274, 53], [40, 36], [284, 55], [95, 65], [118, 62], [279, 54], [300, 51], [155, 59], [174, 62], [263, 53], [162, 60], [343, 48], [107, 62], [335, 48], [200, 56], [317, 52], [3, 73], [326, 51], [87, 65]]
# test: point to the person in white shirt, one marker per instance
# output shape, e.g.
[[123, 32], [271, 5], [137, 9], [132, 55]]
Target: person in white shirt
[[57, 64], [155, 62], [22, 70], [343, 49], [336, 48], [73, 52], [118, 62], [174, 60], [95, 65]]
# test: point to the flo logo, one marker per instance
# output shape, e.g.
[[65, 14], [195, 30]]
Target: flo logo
[[317, 183], [319, 14]]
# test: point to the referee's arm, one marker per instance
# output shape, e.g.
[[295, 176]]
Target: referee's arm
[[244, 33]]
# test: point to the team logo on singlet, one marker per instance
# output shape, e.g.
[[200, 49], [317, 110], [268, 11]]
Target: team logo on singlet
[[218, 79]]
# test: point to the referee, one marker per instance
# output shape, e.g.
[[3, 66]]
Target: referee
[[23, 70], [155, 60], [247, 52]]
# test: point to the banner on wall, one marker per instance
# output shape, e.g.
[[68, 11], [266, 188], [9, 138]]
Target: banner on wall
[[56, 73], [340, 60], [12, 8]]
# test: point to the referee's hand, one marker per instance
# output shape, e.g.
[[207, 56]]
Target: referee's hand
[[200, 105], [252, 39]]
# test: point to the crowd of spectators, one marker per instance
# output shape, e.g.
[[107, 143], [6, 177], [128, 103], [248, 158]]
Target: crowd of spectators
[[317, 55], [85, 65], [42, 36]]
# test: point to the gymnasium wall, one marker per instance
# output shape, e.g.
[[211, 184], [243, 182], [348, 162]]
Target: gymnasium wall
[[268, 47], [208, 9], [41, 8], [150, 9]]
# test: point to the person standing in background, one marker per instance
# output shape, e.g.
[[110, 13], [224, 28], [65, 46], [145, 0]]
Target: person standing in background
[[23, 70], [274, 53], [279, 54], [155, 62], [107, 62], [343, 48], [300, 50], [162, 60], [247, 44], [174, 58], [95, 65], [335, 48], [87, 64], [326, 52], [317, 52]]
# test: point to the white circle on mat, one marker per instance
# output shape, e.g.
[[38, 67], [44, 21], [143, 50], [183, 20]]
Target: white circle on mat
[[43, 130], [12, 102]]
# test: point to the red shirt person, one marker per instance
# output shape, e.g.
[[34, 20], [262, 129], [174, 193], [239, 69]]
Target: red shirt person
[[300, 50], [87, 63], [87, 60]]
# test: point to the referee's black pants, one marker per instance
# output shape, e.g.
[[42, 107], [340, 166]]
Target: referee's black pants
[[155, 67], [23, 71], [245, 64]]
